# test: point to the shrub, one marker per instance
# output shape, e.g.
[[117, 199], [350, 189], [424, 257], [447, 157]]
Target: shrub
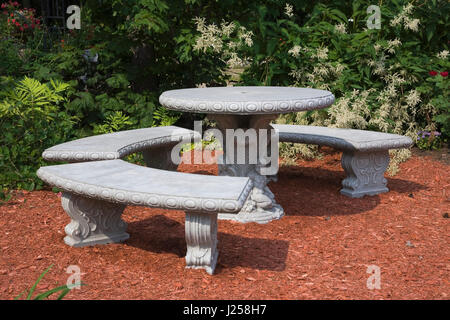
[[380, 77], [429, 140], [32, 118]]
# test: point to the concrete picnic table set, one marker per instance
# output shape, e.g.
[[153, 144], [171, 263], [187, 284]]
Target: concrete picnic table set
[[97, 184]]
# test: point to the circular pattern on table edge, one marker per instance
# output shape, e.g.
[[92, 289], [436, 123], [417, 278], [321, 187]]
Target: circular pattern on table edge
[[246, 107], [139, 198]]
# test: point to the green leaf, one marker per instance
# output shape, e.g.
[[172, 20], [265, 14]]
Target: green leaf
[[30, 293], [48, 293]]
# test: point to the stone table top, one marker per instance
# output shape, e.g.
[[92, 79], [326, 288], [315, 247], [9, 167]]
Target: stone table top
[[246, 100]]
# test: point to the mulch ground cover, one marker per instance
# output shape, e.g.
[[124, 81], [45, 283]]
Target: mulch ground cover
[[320, 249]]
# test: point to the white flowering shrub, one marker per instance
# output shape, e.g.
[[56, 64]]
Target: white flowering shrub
[[393, 79]]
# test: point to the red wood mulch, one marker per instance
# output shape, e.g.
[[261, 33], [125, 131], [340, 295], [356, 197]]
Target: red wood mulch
[[320, 249]]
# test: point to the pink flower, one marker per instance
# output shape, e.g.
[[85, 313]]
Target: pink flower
[[444, 73], [3, 5], [432, 73]]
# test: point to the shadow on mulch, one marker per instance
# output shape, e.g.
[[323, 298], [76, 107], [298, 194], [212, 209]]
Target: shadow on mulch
[[322, 196], [160, 234]]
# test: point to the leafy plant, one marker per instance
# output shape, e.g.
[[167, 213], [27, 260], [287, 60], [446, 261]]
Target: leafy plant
[[429, 140], [32, 118], [380, 77], [114, 122], [62, 290]]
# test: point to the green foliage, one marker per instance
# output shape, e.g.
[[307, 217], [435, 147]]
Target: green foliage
[[429, 140], [32, 118], [109, 74], [439, 92], [330, 47], [380, 77], [114, 122], [10, 62], [165, 117], [64, 290]]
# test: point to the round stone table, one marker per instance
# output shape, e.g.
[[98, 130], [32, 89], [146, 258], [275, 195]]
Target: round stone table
[[248, 108]]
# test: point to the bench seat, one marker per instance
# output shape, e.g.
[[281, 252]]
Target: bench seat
[[365, 153], [95, 194], [155, 143]]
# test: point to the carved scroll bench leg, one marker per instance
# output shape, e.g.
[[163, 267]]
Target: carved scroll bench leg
[[93, 221], [201, 240], [365, 173]]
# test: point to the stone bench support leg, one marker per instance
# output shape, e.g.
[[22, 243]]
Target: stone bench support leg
[[93, 221], [365, 173], [201, 240], [160, 157]]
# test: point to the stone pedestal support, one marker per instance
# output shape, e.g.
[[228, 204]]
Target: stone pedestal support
[[364, 173], [201, 240], [93, 221], [254, 154]]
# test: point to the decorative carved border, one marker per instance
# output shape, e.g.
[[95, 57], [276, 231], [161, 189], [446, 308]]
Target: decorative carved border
[[80, 156], [245, 107], [342, 144], [145, 199]]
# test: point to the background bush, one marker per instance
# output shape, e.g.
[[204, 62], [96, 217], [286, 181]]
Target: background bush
[[124, 56], [393, 79], [31, 120]]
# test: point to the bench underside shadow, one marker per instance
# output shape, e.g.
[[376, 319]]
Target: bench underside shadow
[[365, 155]]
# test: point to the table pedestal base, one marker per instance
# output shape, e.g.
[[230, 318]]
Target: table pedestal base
[[260, 206]]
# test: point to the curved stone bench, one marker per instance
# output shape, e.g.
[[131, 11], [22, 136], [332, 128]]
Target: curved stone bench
[[155, 143], [96, 193], [365, 153]]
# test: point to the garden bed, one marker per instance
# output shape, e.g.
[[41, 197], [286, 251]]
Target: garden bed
[[320, 249]]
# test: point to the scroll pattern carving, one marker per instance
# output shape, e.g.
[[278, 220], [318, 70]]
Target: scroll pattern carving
[[201, 240], [365, 173], [93, 221]]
